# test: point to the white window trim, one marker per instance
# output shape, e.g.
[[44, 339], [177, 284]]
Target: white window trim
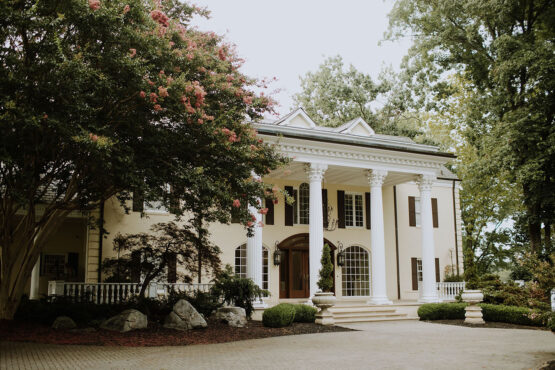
[[297, 205], [417, 212], [419, 270], [353, 193]]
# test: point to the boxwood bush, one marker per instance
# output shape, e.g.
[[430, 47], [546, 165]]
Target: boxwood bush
[[305, 313], [441, 311], [279, 316]]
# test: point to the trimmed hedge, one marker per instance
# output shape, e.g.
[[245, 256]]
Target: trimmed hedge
[[279, 316], [305, 313], [491, 312], [441, 311]]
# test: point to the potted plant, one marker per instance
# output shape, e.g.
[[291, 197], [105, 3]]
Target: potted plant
[[472, 294], [324, 299]]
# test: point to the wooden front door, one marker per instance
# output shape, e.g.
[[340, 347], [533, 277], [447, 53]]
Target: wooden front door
[[299, 284]]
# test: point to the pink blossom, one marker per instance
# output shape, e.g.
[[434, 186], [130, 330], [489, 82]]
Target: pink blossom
[[162, 92], [260, 223], [126, 9], [157, 107], [160, 17], [161, 72], [172, 44], [142, 94], [93, 137], [247, 99], [94, 4], [263, 211], [153, 97], [249, 224], [253, 147], [132, 52], [221, 53], [253, 217], [200, 121], [169, 80], [150, 83], [236, 203]]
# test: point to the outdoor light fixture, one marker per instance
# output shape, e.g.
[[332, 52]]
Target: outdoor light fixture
[[340, 255], [277, 254]]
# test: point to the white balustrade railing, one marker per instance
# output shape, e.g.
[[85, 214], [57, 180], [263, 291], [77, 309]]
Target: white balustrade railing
[[447, 291], [112, 293]]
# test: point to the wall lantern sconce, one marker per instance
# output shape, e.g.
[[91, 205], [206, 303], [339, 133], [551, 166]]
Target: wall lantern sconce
[[277, 254], [340, 255]]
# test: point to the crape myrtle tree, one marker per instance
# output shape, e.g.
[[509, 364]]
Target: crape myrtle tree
[[102, 98], [504, 50]]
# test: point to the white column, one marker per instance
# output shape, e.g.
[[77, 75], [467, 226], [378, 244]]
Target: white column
[[34, 292], [316, 223], [254, 249], [379, 292], [429, 291]]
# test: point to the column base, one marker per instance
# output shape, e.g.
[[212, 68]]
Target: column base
[[429, 299], [379, 301]]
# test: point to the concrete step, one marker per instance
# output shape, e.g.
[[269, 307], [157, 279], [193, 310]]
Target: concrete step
[[340, 321], [368, 314], [366, 309]]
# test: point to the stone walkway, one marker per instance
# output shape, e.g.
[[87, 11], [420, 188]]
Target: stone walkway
[[391, 345]]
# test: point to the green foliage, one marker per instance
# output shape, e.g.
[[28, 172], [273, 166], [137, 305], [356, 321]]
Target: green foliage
[[511, 315], [325, 282], [237, 291], [101, 102], [167, 242], [453, 278], [305, 313], [441, 311], [279, 316]]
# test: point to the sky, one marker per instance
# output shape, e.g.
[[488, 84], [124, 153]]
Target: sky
[[286, 39]]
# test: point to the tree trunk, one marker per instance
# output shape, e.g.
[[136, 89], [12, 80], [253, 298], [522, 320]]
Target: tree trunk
[[547, 238], [535, 234]]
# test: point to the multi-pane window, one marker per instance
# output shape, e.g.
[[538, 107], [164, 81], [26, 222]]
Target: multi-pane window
[[304, 200], [53, 264], [417, 210], [241, 264], [354, 210], [419, 269], [356, 272]]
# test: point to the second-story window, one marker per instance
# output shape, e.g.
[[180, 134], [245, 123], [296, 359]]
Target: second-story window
[[354, 210]]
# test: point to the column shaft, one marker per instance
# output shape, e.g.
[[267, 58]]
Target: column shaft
[[429, 291], [316, 223], [35, 276]]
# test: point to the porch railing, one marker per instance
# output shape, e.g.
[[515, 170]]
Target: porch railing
[[448, 291], [113, 293]]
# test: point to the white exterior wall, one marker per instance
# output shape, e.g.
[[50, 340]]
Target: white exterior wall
[[229, 237]]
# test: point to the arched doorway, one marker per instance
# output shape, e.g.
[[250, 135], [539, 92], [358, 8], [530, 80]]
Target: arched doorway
[[294, 274]]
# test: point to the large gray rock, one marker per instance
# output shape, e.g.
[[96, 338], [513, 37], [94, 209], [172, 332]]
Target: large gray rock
[[126, 321], [184, 317], [233, 316], [63, 322]]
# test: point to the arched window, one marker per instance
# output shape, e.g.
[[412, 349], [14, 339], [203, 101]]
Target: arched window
[[241, 264], [304, 199], [356, 272]]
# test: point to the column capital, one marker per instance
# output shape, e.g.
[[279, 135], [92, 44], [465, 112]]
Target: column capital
[[376, 177], [315, 171], [425, 182]]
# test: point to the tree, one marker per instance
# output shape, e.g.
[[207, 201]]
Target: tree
[[325, 282], [153, 255], [505, 51], [334, 95], [103, 98]]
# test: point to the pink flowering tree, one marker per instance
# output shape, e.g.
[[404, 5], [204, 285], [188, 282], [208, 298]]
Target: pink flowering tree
[[99, 99]]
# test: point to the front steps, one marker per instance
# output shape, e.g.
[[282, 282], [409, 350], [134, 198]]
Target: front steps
[[355, 312]]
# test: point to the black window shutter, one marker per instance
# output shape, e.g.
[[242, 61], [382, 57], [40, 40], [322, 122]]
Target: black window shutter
[[270, 213], [325, 207], [367, 209], [414, 270], [136, 267], [172, 268], [341, 209], [437, 270], [288, 207], [434, 212], [73, 262], [412, 212], [138, 200]]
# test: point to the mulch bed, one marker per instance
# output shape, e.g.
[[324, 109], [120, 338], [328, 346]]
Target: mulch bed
[[488, 324], [154, 335]]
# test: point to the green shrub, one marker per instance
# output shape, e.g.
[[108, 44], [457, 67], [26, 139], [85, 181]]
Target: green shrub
[[279, 316], [237, 291], [453, 278], [325, 281], [441, 311], [305, 313], [512, 315]]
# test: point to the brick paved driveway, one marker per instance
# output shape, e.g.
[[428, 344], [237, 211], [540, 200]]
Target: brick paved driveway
[[392, 345]]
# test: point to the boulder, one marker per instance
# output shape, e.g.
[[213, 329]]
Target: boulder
[[173, 321], [233, 316], [126, 321], [187, 313], [63, 322]]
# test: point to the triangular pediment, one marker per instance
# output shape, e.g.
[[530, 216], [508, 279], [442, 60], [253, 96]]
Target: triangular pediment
[[356, 127], [297, 118]]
